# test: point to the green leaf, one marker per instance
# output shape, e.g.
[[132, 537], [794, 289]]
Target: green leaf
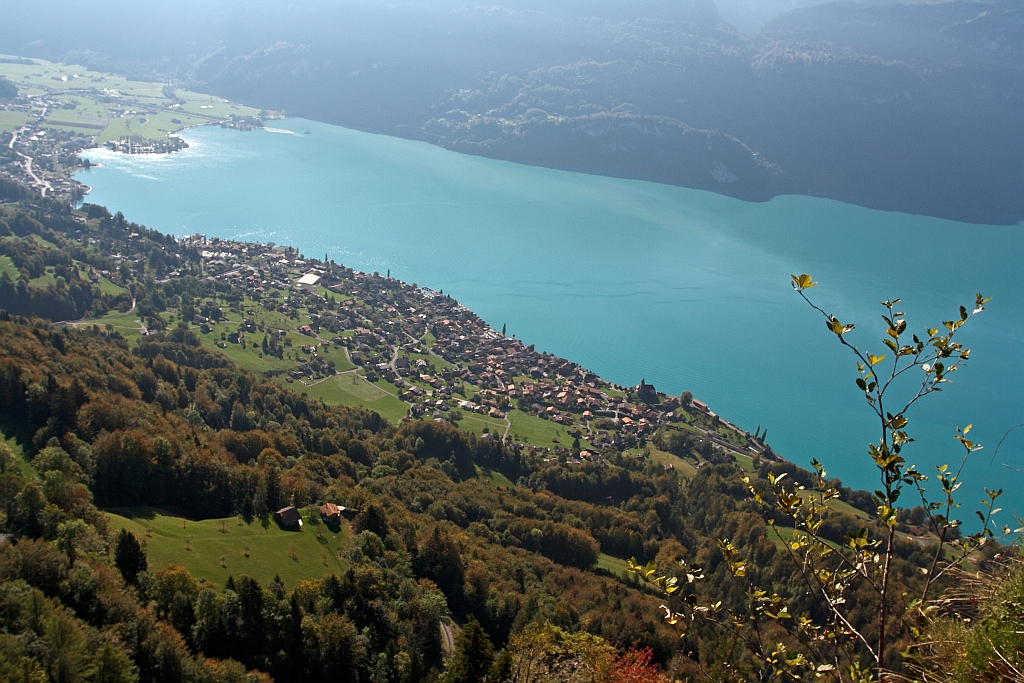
[[875, 360]]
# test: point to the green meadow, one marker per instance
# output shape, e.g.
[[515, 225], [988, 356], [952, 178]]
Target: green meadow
[[110, 107], [10, 120], [7, 266], [476, 424], [537, 431], [350, 389], [612, 564], [214, 549], [664, 458]]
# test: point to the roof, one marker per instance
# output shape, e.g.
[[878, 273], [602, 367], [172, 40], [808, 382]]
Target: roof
[[289, 516], [309, 279], [329, 510]]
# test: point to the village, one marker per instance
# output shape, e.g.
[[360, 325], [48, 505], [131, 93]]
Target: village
[[424, 348], [40, 157], [55, 113], [333, 333]]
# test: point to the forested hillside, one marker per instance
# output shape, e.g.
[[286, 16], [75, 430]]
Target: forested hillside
[[458, 549]]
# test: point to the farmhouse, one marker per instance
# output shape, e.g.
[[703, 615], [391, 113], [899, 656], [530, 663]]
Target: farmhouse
[[331, 513], [288, 517]]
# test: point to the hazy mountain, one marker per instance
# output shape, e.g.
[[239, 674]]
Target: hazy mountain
[[750, 16], [907, 106]]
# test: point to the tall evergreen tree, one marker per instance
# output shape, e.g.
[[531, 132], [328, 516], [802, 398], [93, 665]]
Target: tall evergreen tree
[[374, 518], [473, 656], [130, 557], [440, 561]]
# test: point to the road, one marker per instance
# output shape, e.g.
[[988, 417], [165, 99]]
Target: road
[[447, 640], [44, 185]]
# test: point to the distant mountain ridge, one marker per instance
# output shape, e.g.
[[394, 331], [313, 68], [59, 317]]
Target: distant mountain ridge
[[914, 107]]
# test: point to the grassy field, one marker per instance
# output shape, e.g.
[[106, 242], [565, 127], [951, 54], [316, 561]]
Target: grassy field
[[43, 281], [349, 389], [108, 106], [475, 424], [153, 124], [11, 120], [108, 287], [7, 266], [537, 431], [496, 478], [125, 323], [214, 549], [43, 242], [249, 357], [612, 564], [663, 458], [745, 463]]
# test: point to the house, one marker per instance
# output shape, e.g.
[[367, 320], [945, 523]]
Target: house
[[331, 513], [288, 517]]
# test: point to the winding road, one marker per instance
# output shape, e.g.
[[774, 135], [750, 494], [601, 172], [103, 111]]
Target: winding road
[[28, 165]]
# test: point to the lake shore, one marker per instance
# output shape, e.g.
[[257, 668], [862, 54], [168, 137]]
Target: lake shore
[[686, 289]]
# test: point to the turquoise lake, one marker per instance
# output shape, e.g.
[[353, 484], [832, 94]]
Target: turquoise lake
[[684, 288]]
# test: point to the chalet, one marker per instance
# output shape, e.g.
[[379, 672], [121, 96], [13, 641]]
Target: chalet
[[330, 512], [288, 517]]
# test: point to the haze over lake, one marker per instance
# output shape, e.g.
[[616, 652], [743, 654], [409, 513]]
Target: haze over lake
[[684, 288]]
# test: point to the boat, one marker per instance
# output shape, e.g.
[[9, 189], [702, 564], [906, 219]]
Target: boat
[[308, 131]]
